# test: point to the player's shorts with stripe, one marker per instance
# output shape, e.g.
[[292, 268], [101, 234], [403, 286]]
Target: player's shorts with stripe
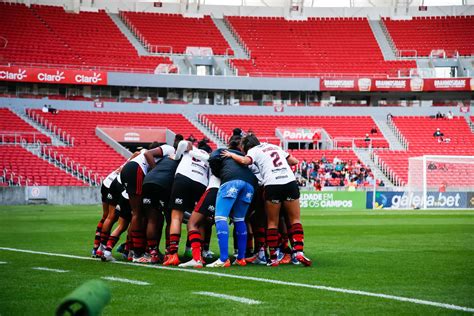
[[112, 194], [132, 178], [185, 193], [207, 203], [156, 196], [282, 192], [124, 209]]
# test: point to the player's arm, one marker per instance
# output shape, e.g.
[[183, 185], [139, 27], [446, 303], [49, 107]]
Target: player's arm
[[292, 160], [243, 160], [183, 147], [150, 156]]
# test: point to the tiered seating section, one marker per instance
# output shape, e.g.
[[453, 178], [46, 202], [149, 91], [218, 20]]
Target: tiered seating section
[[424, 34], [14, 130], [317, 47], [22, 167], [49, 35], [176, 31], [418, 131], [264, 126], [90, 151]]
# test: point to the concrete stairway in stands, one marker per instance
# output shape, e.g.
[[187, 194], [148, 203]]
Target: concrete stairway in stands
[[55, 141], [381, 37], [388, 134], [192, 117], [129, 35], [364, 156], [239, 51]]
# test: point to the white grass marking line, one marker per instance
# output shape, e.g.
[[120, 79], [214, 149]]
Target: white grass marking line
[[230, 297], [125, 280], [50, 270], [3, 262], [242, 277]]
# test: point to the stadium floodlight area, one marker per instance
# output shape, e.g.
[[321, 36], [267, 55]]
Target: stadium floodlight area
[[432, 179]]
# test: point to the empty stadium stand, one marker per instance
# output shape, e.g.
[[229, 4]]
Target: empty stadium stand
[[21, 167], [175, 31], [424, 34], [319, 46], [418, 132], [50, 36], [14, 130], [90, 151]]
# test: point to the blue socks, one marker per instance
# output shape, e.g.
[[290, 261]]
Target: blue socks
[[222, 230], [241, 232]]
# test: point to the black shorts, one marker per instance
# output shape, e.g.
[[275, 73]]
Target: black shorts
[[257, 207], [156, 196], [111, 195], [185, 193], [207, 203], [132, 178], [282, 192], [125, 211]]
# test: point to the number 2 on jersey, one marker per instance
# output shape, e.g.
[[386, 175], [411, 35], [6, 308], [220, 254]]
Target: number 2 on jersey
[[276, 159]]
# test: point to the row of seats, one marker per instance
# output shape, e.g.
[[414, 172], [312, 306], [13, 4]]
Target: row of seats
[[90, 151], [13, 129], [418, 132], [311, 48], [176, 31], [450, 33], [50, 35], [22, 167]]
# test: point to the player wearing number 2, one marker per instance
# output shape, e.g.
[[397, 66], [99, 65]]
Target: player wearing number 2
[[280, 188]]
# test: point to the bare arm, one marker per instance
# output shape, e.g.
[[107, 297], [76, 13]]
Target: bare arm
[[292, 160], [150, 156], [243, 160], [183, 147]]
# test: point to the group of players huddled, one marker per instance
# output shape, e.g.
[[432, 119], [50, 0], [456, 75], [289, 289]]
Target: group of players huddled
[[249, 184]]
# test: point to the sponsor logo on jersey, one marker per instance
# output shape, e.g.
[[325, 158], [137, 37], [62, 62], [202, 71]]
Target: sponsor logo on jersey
[[109, 196], [211, 208]]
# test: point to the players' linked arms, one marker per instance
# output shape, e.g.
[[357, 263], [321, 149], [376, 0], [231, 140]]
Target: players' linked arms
[[183, 147], [150, 156], [243, 160], [292, 160]]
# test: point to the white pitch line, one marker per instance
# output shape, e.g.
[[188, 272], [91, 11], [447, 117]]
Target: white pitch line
[[249, 278], [50, 270], [125, 280], [230, 297], [3, 262]]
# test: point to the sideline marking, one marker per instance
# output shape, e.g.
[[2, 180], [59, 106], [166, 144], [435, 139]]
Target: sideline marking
[[125, 280], [242, 277], [230, 297], [50, 270]]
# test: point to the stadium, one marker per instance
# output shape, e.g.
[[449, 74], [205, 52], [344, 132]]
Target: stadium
[[138, 130]]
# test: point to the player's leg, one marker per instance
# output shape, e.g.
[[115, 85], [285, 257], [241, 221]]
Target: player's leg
[[124, 217], [175, 235], [98, 230], [109, 222], [226, 197], [240, 209], [296, 233], [195, 240]]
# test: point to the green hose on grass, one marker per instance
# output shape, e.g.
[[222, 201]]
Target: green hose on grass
[[89, 299]]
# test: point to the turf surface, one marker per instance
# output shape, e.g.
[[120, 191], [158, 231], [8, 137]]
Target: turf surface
[[416, 254]]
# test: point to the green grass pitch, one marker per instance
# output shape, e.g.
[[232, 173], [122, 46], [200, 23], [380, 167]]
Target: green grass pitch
[[413, 254]]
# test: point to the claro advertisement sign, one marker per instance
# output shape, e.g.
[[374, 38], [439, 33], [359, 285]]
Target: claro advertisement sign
[[336, 199], [414, 200], [47, 75]]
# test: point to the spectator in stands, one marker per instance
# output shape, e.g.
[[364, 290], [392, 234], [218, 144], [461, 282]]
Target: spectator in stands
[[373, 130], [316, 139], [52, 110], [45, 109], [317, 185], [449, 115], [438, 133], [439, 115], [381, 183], [389, 116], [442, 187]]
